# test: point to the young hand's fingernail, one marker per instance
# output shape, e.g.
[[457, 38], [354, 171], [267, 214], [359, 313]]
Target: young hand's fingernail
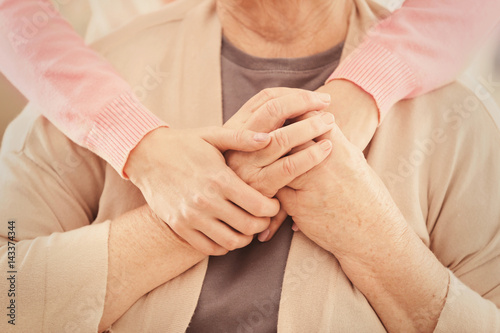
[[328, 118], [261, 137], [326, 145], [263, 235], [325, 98], [295, 227]]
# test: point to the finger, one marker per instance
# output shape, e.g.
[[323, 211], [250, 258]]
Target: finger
[[307, 116], [275, 224], [241, 220], [302, 147], [248, 198], [224, 236], [244, 113], [288, 137], [273, 113], [288, 199], [285, 170], [299, 182], [304, 116], [201, 242], [242, 140], [344, 149]]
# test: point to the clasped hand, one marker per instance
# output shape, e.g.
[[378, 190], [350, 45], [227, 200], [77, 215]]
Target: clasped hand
[[187, 184], [218, 207]]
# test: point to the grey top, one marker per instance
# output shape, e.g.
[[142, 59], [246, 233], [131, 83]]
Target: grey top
[[241, 291]]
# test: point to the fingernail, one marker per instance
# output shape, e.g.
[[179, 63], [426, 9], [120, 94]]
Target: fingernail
[[328, 118], [261, 137], [263, 235], [325, 98], [295, 227], [326, 145]]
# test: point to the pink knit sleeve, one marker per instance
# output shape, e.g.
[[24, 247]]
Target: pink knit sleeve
[[420, 47], [77, 90]]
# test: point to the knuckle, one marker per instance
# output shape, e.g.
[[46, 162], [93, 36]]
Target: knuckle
[[176, 225], [273, 108], [200, 201], [216, 182], [281, 139], [289, 166], [233, 243], [313, 156], [207, 249], [259, 209], [238, 135], [246, 240], [219, 251], [211, 249], [316, 125], [307, 97], [267, 188], [236, 161], [267, 94], [248, 228]]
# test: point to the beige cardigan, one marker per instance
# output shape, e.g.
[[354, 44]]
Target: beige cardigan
[[438, 155]]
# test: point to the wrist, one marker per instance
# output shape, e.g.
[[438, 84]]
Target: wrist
[[163, 237], [352, 98], [138, 160], [142, 237], [356, 112]]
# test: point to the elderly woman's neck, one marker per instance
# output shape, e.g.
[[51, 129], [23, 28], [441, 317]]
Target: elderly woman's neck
[[284, 28]]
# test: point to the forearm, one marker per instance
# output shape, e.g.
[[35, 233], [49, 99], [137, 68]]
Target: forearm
[[143, 254], [401, 278], [418, 48], [54, 69]]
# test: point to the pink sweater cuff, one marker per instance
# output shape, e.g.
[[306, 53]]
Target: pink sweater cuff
[[118, 129], [380, 73]]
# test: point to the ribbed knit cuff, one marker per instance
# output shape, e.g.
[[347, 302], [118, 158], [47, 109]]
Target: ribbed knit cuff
[[466, 311], [118, 129], [379, 72]]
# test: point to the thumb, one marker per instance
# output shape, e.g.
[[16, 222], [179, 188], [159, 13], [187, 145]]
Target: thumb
[[343, 149], [230, 139], [335, 135], [288, 200]]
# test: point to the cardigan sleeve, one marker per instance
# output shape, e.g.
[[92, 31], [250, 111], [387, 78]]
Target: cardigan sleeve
[[418, 48], [78, 90], [463, 217], [54, 254]]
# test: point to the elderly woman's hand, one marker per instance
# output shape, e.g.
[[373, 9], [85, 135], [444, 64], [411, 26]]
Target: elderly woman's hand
[[267, 170], [341, 204], [344, 207]]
